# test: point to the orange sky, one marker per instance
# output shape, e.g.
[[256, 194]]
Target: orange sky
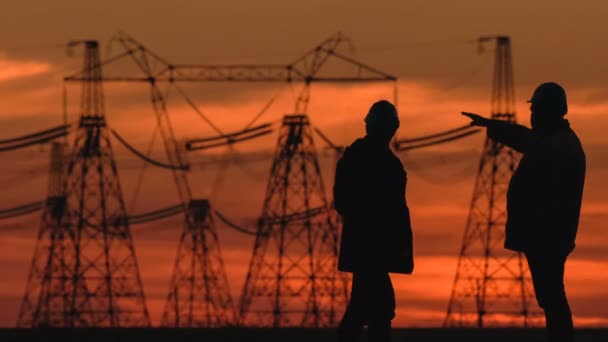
[[422, 42]]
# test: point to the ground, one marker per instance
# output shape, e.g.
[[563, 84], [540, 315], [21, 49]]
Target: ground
[[288, 335]]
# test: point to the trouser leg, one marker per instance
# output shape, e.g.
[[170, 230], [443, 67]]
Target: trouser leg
[[382, 308], [379, 330], [548, 278], [351, 326], [372, 303], [559, 322]]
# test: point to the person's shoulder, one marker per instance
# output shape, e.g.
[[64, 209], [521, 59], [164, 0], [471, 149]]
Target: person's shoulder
[[565, 144], [394, 156], [396, 162], [355, 148], [574, 145], [566, 138], [359, 143]]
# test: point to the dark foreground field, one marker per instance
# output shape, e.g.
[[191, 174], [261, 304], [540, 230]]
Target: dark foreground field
[[285, 335]]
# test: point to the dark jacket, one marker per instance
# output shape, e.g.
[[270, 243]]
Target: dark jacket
[[369, 194], [545, 192]]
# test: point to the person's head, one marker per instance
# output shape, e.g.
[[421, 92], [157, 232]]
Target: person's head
[[547, 105], [382, 121]]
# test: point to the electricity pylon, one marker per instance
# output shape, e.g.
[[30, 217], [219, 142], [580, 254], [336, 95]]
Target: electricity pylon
[[492, 286], [84, 272], [293, 278]]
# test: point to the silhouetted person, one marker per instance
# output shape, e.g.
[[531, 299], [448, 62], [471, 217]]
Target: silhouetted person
[[369, 194], [544, 198]]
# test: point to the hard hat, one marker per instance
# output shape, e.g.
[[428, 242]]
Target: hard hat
[[552, 96]]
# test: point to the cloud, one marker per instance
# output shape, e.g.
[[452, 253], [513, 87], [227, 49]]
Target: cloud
[[11, 69], [439, 189]]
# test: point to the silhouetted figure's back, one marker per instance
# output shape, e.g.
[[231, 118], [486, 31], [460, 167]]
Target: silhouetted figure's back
[[369, 194], [544, 198]]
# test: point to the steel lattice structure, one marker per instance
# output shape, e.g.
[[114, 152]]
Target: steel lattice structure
[[492, 286], [199, 296], [198, 235], [198, 273], [293, 278], [324, 299], [84, 272]]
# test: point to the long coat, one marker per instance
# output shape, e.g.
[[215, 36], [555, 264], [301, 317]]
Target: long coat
[[369, 194], [545, 192]]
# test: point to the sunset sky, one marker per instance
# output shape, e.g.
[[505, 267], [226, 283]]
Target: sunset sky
[[429, 44]]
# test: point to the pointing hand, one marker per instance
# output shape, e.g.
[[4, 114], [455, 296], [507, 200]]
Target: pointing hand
[[476, 120]]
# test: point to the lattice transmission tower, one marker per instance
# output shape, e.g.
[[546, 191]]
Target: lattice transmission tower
[[84, 272], [492, 286], [293, 278], [195, 279], [199, 294]]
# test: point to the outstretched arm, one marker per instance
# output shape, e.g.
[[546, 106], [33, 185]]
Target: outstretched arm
[[515, 136]]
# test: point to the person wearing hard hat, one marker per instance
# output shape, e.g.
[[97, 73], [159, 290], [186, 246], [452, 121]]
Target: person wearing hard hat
[[369, 194], [544, 198]]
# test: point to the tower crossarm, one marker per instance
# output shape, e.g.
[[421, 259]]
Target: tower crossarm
[[306, 68], [238, 73]]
